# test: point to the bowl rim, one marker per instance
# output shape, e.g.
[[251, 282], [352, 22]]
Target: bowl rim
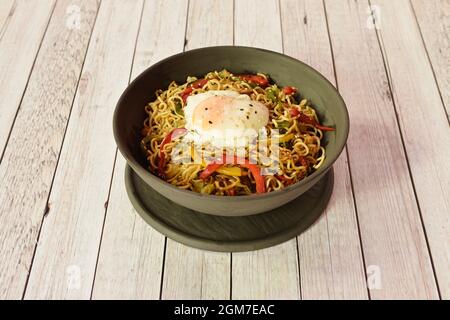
[[256, 196]]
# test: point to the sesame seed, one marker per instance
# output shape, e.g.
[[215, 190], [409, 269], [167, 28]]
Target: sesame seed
[[206, 108], [210, 122], [241, 109], [248, 117], [256, 112]]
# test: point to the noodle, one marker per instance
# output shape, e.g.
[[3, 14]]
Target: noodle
[[300, 149]]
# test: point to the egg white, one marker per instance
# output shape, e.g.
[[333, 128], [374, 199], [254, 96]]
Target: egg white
[[235, 122]]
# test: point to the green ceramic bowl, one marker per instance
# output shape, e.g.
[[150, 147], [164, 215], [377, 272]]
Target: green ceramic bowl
[[129, 116]]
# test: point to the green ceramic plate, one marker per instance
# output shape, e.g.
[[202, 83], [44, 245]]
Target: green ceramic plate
[[220, 233]]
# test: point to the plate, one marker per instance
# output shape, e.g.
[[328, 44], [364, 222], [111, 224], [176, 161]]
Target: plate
[[224, 233]]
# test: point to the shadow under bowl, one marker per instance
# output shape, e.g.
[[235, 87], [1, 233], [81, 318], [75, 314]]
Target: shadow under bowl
[[283, 70]]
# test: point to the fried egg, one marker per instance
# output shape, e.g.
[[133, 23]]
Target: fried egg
[[224, 118]]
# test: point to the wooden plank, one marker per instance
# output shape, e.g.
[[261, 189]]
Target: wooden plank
[[195, 274], [424, 126], [66, 254], [434, 21], [394, 244], [131, 253], [31, 156], [204, 14], [6, 12], [18, 49], [190, 273], [331, 263], [269, 273]]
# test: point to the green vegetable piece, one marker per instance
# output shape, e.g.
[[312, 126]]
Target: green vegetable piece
[[272, 93], [179, 108], [283, 124]]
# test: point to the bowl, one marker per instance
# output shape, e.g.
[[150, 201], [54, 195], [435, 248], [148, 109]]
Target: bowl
[[283, 70]]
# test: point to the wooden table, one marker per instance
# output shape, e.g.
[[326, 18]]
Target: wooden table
[[67, 228]]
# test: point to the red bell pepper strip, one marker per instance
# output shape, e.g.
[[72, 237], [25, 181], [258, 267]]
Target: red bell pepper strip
[[259, 179], [175, 133], [324, 128], [194, 85], [209, 170], [254, 169], [289, 90], [259, 80], [295, 113], [303, 118], [186, 94], [199, 83], [212, 167]]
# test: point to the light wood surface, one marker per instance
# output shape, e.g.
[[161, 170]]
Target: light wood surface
[[271, 272], [71, 231], [127, 233], [188, 272], [419, 108], [67, 228], [32, 153], [18, 50], [331, 263], [7, 8], [392, 235], [433, 18]]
